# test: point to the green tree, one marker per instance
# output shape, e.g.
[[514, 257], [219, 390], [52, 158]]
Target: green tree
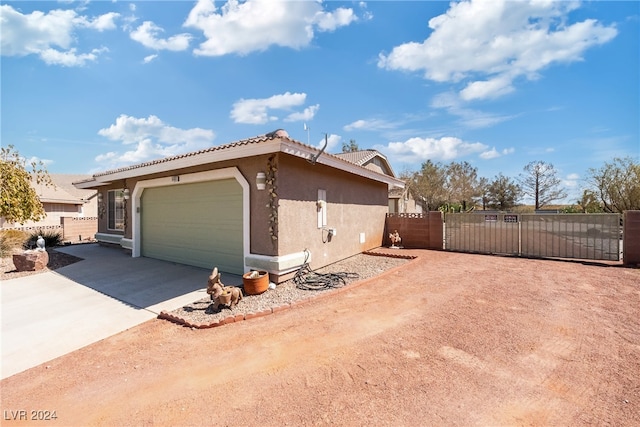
[[483, 191], [541, 182], [503, 193], [350, 147], [617, 184], [19, 202], [429, 185], [589, 202], [462, 184]]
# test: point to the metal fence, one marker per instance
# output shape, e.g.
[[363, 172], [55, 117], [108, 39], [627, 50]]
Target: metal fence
[[582, 236]]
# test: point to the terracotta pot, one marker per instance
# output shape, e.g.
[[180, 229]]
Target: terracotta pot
[[257, 285], [225, 298]]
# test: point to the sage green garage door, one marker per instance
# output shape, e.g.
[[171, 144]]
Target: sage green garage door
[[197, 224]]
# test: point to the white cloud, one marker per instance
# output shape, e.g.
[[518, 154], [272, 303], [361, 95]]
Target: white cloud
[[258, 111], [103, 22], [487, 44], [50, 35], [147, 35], [329, 21], [149, 58], [493, 153], [421, 149], [370, 125], [70, 58], [256, 25], [468, 117], [151, 138], [571, 180], [308, 114]]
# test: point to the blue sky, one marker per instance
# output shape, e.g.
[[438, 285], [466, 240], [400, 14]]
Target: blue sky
[[89, 86]]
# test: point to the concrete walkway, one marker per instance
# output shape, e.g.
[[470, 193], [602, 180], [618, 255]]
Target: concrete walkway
[[47, 315]]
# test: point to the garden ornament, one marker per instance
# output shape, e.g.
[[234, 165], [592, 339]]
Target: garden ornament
[[221, 294], [395, 239]]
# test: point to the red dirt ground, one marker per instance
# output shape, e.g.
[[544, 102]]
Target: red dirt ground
[[448, 339]]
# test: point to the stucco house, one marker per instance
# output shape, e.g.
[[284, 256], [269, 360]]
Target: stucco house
[[268, 202], [400, 199], [60, 200]]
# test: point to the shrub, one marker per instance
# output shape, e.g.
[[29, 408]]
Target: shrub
[[51, 238], [11, 240]]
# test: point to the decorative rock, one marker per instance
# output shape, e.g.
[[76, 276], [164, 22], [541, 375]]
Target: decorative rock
[[31, 260]]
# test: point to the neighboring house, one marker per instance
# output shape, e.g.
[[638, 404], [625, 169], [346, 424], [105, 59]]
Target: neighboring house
[[268, 203], [400, 200], [62, 199]]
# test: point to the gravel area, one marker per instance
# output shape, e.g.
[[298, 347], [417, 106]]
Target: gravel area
[[360, 267], [56, 260]]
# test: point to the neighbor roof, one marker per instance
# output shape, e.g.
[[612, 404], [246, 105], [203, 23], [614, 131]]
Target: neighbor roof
[[273, 142], [364, 157], [62, 191]]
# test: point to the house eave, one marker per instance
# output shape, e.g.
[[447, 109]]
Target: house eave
[[284, 145], [231, 153]]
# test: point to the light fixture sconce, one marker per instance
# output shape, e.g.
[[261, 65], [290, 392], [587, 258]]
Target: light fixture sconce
[[321, 204], [126, 194], [261, 181], [99, 197]]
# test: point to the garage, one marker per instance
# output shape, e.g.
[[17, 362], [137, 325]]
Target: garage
[[197, 224]]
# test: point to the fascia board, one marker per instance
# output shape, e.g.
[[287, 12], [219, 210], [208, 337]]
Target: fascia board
[[231, 153], [90, 185]]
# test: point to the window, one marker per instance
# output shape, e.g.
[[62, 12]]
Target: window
[[115, 215]]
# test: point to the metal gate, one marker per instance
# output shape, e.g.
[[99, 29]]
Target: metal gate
[[582, 236]]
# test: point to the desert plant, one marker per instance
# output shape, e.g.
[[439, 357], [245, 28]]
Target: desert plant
[[10, 240], [51, 238]]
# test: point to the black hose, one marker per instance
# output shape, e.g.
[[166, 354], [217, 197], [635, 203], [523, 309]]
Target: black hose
[[309, 280]]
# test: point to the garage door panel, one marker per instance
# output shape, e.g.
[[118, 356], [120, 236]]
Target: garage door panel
[[197, 224]]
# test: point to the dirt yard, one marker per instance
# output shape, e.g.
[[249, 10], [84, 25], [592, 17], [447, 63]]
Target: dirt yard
[[447, 339]]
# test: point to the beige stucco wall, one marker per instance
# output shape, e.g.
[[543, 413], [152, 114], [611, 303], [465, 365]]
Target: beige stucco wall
[[260, 239], [354, 205]]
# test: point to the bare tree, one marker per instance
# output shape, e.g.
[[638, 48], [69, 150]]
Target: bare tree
[[541, 182]]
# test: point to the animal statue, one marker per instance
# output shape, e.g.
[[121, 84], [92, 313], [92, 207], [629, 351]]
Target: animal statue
[[215, 288], [395, 239]]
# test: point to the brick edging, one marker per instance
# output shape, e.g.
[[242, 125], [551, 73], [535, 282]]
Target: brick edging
[[390, 255], [253, 315]]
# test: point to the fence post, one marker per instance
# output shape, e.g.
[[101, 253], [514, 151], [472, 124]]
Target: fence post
[[631, 236]]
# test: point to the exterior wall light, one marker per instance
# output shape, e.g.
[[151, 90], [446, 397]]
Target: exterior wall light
[[261, 181], [126, 194]]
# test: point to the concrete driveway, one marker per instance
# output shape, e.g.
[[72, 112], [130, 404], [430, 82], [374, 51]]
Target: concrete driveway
[[47, 315]]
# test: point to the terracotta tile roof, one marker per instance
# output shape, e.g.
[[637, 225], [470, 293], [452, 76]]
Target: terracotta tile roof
[[278, 136], [359, 157], [248, 141]]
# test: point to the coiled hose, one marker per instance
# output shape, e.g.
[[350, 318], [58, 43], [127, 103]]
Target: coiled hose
[[309, 280]]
